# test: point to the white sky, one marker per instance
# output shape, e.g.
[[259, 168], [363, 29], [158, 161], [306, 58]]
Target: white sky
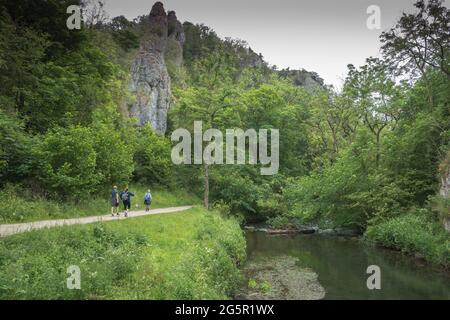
[[322, 35]]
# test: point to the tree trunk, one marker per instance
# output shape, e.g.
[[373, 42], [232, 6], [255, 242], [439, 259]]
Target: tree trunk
[[377, 160], [206, 193]]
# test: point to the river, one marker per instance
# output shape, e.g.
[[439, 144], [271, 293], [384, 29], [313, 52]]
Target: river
[[340, 264]]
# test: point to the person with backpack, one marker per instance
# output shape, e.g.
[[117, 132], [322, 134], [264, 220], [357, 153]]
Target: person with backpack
[[126, 199], [147, 200], [114, 201]]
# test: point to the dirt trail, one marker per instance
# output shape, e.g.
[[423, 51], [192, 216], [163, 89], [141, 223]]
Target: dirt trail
[[9, 229]]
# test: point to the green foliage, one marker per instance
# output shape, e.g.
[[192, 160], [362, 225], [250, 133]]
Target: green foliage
[[235, 187], [412, 156], [114, 152], [34, 265], [419, 40], [153, 158], [126, 38], [280, 221], [271, 204], [199, 40], [67, 162], [327, 196], [358, 158], [192, 255], [264, 286], [252, 284], [413, 233], [441, 205], [15, 150], [50, 77], [22, 205]]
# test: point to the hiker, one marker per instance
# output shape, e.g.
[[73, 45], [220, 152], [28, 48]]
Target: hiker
[[114, 201], [147, 200], [126, 199]]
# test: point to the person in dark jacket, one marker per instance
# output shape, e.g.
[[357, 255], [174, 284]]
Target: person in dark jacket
[[126, 199]]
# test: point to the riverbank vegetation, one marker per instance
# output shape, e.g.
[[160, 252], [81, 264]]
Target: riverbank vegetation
[[190, 255]]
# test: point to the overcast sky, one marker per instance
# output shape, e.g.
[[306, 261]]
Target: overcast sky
[[317, 35]]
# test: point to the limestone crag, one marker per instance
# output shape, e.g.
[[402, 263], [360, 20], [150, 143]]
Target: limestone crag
[[445, 186], [302, 78], [150, 81]]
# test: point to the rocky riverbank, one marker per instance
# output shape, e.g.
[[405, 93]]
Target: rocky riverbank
[[303, 230], [281, 279]]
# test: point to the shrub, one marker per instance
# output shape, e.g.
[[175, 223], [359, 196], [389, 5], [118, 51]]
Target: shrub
[[413, 233], [14, 149], [153, 158], [271, 205], [235, 186], [66, 159], [20, 205], [279, 221], [114, 150], [441, 205]]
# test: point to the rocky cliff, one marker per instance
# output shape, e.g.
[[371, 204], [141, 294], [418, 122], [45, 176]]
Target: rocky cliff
[[150, 81], [161, 47], [303, 78], [444, 191]]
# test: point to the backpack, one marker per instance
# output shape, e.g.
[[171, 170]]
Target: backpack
[[125, 196], [148, 197]]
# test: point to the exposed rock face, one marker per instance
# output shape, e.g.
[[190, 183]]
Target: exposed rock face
[[303, 78], [175, 41], [249, 58], [150, 80], [445, 186]]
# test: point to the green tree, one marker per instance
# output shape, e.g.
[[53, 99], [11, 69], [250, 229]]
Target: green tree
[[15, 155], [208, 99], [420, 41], [378, 99], [152, 158], [67, 162]]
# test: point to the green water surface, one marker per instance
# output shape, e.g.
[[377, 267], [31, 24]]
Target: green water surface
[[341, 265]]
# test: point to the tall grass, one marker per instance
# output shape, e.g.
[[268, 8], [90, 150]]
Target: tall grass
[[188, 255]]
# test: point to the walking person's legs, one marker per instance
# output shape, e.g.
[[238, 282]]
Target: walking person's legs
[[114, 207], [127, 207]]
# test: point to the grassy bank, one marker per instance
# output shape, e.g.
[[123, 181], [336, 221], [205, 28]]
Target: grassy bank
[[188, 255], [21, 206], [414, 233]]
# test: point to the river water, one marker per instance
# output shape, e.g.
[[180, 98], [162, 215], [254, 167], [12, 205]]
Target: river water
[[341, 265]]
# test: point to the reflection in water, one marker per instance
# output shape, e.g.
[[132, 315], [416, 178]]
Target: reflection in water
[[341, 264]]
